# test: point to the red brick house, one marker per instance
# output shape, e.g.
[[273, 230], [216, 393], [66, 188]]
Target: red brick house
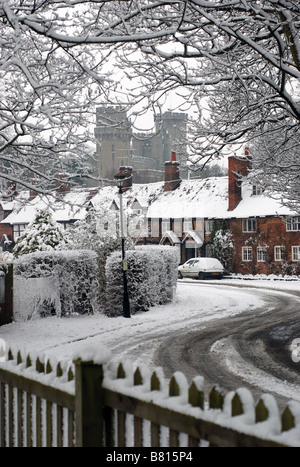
[[266, 233], [186, 213]]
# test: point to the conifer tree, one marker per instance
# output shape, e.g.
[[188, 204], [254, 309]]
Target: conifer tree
[[43, 234]]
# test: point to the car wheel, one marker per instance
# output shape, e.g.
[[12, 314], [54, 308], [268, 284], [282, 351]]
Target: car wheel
[[201, 276], [180, 276]]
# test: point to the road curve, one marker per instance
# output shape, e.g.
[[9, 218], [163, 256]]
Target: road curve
[[250, 350]]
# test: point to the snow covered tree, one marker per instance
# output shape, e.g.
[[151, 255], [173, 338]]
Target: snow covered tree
[[43, 234], [237, 59], [223, 247], [49, 89]]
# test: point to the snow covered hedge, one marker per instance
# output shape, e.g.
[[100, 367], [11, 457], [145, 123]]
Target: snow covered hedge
[[55, 282], [151, 277]]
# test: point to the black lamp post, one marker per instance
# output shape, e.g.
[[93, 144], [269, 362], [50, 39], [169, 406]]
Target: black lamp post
[[126, 305]]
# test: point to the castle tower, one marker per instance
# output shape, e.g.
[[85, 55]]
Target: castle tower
[[116, 146], [171, 130], [113, 135]]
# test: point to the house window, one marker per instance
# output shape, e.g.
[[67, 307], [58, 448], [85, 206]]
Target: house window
[[249, 225], [279, 253], [154, 227], [187, 225], [261, 253], [247, 253], [18, 229], [293, 224], [295, 253], [209, 225], [256, 190], [165, 226]]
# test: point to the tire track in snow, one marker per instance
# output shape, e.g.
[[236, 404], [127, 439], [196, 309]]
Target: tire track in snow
[[250, 350]]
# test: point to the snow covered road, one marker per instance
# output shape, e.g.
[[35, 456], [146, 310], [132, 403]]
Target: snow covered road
[[168, 335], [251, 349]]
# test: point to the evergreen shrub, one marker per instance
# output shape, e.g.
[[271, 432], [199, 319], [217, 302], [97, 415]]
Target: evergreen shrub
[[56, 282], [151, 278]]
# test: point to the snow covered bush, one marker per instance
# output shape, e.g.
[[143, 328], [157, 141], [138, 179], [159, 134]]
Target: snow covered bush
[[57, 282], [151, 277], [43, 234]]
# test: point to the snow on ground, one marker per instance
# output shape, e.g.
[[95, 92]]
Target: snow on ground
[[138, 337], [61, 336]]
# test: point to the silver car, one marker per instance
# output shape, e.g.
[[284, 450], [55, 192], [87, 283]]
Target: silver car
[[201, 268]]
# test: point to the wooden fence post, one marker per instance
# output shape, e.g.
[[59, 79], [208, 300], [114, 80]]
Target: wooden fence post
[[88, 404]]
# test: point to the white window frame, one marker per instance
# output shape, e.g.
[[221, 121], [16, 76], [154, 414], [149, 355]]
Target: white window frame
[[296, 253], [247, 254], [261, 254], [293, 224], [249, 224], [187, 224], [165, 225], [279, 253]]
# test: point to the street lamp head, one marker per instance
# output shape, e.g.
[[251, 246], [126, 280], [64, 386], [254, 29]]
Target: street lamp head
[[120, 182]]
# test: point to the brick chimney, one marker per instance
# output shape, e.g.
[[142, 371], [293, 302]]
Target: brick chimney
[[237, 167], [172, 177], [125, 172], [61, 186]]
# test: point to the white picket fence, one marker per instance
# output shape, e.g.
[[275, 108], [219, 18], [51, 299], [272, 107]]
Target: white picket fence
[[94, 401]]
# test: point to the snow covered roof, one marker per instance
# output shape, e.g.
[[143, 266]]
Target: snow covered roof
[[170, 235], [195, 237], [259, 205], [143, 193], [195, 198], [19, 200], [70, 207], [208, 198]]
